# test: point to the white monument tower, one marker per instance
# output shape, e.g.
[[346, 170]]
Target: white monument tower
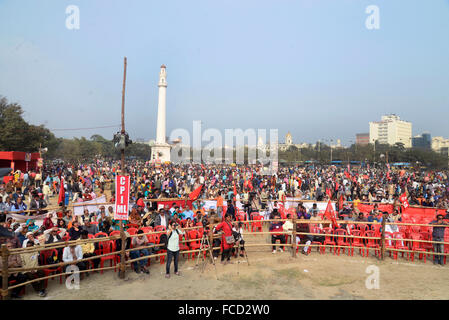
[[160, 151]]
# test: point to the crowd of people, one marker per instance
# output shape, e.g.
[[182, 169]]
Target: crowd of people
[[32, 193]]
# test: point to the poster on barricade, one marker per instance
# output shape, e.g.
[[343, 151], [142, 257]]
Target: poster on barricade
[[121, 198]]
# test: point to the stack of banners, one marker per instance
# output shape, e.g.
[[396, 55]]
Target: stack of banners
[[92, 206]]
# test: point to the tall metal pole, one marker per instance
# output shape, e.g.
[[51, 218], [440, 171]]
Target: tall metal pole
[[123, 172]]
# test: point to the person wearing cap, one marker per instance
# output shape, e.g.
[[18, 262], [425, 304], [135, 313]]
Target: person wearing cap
[[29, 237], [31, 260], [438, 235]]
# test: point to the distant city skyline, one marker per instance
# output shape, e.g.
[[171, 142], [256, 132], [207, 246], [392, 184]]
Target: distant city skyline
[[308, 67]]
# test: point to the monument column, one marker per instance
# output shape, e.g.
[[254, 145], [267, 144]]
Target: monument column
[[161, 107], [160, 151]]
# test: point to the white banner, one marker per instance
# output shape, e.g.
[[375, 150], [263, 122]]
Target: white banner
[[92, 206]]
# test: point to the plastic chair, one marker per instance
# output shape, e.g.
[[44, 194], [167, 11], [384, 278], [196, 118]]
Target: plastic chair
[[363, 228], [427, 245], [132, 231], [157, 240], [159, 228], [241, 217], [183, 245], [107, 247], [328, 240], [357, 242], [114, 233], [400, 245], [44, 257], [376, 228], [416, 246], [341, 241], [194, 245], [371, 243], [146, 229], [389, 242], [257, 223], [315, 229]]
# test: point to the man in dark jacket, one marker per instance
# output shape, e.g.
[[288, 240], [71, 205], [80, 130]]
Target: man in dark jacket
[[230, 210], [438, 235]]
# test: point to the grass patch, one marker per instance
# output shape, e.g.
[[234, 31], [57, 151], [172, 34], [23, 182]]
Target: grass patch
[[291, 273]]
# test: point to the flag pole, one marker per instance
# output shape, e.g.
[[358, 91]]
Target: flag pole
[[123, 172]]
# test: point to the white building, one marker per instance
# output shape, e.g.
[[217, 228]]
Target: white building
[[439, 144], [391, 130]]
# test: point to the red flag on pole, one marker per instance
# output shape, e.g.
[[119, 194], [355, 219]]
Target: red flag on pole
[[404, 201], [235, 190], [329, 193], [330, 214], [195, 193]]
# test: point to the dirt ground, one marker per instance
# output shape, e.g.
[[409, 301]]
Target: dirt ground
[[268, 276]]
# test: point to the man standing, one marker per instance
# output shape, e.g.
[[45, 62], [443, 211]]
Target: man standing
[[219, 205], [438, 235], [173, 247]]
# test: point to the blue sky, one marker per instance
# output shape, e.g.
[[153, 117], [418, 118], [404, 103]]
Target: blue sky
[[306, 66]]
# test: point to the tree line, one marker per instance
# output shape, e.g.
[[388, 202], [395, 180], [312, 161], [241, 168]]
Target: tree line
[[16, 134]]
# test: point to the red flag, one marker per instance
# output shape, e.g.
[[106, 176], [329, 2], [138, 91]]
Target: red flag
[[330, 214], [336, 186], [299, 183], [404, 201], [195, 193], [347, 175], [329, 193], [61, 197], [340, 202]]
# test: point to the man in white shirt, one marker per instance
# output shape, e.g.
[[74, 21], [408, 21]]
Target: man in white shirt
[[73, 253], [29, 237]]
